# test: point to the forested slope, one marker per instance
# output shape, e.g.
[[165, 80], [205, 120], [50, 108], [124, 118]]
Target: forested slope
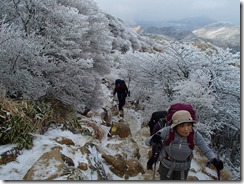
[[58, 51]]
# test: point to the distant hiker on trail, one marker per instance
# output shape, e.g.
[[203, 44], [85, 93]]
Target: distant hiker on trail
[[122, 92], [157, 121], [178, 141]]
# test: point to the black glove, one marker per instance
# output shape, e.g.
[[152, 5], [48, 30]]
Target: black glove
[[156, 151], [217, 163], [128, 93], [156, 139], [155, 157]]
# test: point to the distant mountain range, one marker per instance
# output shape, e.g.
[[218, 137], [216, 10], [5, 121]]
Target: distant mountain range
[[196, 29], [221, 34], [171, 33], [191, 23]]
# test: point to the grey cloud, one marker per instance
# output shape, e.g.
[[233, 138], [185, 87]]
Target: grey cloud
[[129, 10]]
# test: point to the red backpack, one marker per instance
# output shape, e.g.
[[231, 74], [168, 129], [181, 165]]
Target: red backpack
[[176, 107], [180, 106]]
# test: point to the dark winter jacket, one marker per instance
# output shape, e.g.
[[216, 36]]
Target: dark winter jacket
[[121, 89]]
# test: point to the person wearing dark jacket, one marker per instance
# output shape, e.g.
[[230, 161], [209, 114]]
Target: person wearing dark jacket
[[157, 116], [175, 157], [157, 121], [122, 92]]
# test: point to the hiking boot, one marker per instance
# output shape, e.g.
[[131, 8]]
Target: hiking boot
[[121, 113]]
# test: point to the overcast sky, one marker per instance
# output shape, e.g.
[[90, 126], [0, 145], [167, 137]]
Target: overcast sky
[[154, 10]]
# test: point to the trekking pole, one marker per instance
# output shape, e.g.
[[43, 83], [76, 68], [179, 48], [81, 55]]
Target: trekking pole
[[218, 171], [128, 86], [154, 170], [128, 83], [156, 159], [218, 174]]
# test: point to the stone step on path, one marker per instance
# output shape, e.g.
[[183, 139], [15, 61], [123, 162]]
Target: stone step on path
[[121, 114], [148, 175]]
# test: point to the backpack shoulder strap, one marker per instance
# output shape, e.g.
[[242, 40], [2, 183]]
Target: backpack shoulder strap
[[190, 140], [170, 138]]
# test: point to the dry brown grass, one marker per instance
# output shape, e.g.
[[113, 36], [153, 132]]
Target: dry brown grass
[[9, 106], [20, 118]]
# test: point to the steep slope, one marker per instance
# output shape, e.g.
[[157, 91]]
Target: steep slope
[[62, 58], [87, 153], [125, 38]]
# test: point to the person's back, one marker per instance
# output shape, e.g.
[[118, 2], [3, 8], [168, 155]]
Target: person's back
[[157, 121], [120, 87], [122, 91]]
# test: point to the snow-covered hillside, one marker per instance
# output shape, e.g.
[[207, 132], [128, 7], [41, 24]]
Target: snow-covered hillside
[[87, 151], [28, 161], [69, 53]]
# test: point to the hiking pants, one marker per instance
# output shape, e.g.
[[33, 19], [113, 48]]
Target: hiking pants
[[121, 98], [176, 175], [151, 161]]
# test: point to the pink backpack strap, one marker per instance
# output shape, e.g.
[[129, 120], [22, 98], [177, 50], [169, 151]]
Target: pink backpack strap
[[170, 138], [190, 140]]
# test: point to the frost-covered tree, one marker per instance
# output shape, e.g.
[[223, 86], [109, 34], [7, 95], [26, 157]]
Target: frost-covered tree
[[54, 47], [126, 39], [209, 79]]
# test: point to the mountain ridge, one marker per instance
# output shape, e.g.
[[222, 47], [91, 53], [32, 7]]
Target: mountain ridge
[[221, 34]]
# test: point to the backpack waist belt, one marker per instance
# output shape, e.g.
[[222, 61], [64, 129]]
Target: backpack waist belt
[[172, 160], [177, 167], [169, 158]]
